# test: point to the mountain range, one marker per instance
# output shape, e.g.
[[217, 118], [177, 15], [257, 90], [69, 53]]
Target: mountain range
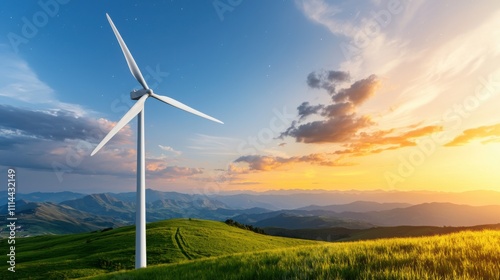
[[293, 199], [67, 212], [426, 214], [39, 218]]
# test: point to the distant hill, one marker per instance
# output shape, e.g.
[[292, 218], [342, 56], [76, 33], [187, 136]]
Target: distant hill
[[120, 209], [36, 218], [346, 234], [244, 201], [253, 218], [431, 214], [154, 195], [104, 205], [357, 206], [292, 199], [295, 219], [194, 207], [296, 222], [427, 214], [98, 211], [158, 208], [55, 197], [276, 200]]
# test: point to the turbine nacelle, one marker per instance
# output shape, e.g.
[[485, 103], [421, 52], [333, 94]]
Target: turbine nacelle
[[138, 93]]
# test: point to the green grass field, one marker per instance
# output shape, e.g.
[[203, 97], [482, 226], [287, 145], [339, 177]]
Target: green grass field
[[466, 255], [197, 249], [171, 241]]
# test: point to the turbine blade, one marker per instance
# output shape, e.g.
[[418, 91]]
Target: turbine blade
[[128, 56], [138, 106], [184, 107]]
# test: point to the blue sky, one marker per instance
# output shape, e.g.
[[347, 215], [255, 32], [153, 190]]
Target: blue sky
[[64, 82]]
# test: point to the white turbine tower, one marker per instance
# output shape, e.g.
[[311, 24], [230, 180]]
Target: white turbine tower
[[138, 109]]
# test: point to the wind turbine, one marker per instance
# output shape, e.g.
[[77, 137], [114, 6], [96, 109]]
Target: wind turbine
[[138, 109]]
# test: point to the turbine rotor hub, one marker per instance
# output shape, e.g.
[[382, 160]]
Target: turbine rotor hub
[[136, 94]]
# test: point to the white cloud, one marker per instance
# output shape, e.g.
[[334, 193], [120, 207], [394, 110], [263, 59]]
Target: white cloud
[[324, 14], [215, 145], [20, 83], [446, 70], [428, 55], [170, 150]]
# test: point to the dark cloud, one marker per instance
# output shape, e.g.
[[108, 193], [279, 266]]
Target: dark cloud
[[267, 163], [171, 172], [339, 109], [61, 141], [305, 109], [332, 130], [356, 135], [338, 76], [56, 125], [359, 91], [327, 80], [340, 122], [57, 140], [313, 80]]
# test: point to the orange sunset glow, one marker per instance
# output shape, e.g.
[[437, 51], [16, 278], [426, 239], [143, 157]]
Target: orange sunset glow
[[385, 95], [417, 113]]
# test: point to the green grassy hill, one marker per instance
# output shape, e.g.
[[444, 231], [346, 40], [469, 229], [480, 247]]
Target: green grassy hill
[[171, 241], [349, 234], [199, 249], [465, 255]]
